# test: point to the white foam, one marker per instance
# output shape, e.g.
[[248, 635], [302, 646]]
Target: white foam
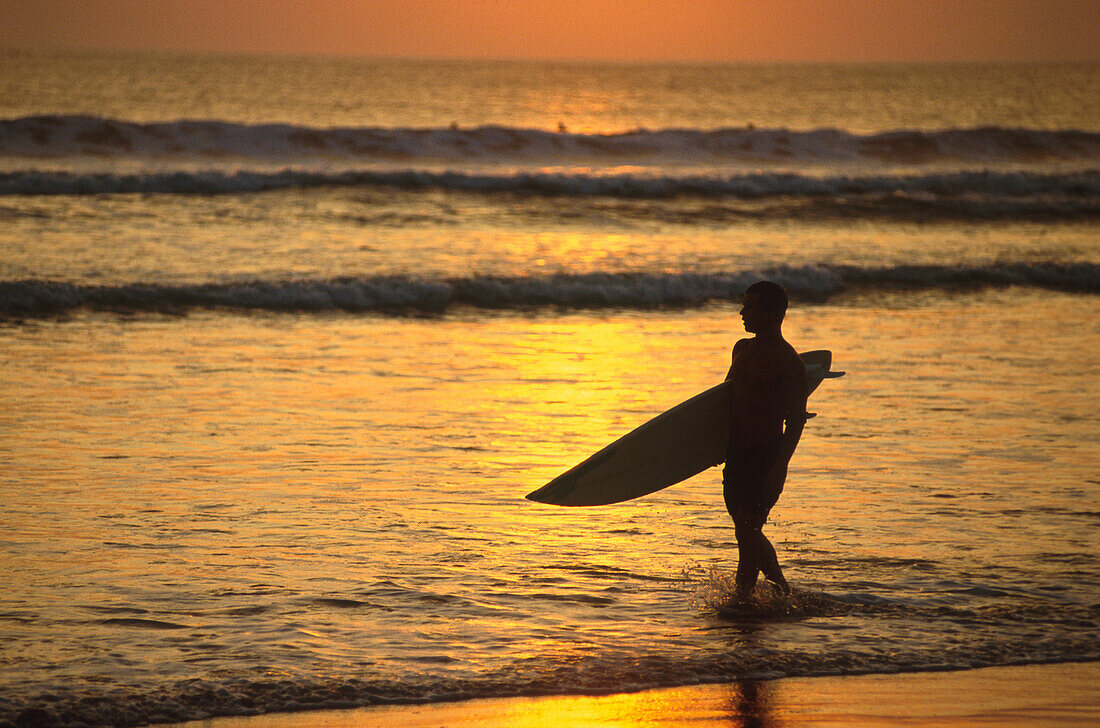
[[398, 295], [1082, 186], [65, 136]]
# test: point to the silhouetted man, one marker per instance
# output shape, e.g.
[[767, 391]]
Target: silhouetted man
[[767, 415]]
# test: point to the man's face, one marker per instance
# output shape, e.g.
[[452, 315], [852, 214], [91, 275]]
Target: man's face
[[753, 314]]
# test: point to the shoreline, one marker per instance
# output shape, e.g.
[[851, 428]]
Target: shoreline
[[1060, 694]]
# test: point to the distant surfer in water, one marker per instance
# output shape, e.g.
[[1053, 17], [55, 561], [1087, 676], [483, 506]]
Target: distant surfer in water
[[768, 412]]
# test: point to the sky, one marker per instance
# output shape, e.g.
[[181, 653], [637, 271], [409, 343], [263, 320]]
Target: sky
[[678, 30]]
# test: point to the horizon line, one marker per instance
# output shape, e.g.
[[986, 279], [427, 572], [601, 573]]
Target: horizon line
[[577, 60]]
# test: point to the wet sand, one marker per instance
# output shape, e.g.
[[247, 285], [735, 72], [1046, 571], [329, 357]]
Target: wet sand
[[1066, 694]]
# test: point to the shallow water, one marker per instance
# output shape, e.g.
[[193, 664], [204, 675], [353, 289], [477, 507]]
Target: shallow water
[[338, 501], [266, 450]]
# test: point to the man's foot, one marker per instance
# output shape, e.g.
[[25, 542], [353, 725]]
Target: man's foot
[[781, 585], [743, 594]]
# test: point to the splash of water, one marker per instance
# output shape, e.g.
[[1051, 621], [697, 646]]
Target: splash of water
[[715, 591]]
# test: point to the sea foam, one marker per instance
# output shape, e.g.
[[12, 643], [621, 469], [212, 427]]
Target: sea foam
[[404, 295], [64, 136], [1083, 185]]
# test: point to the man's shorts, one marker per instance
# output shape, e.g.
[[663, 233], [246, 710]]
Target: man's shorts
[[743, 481]]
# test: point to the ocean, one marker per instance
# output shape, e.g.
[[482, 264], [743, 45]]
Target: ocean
[[286, 341]]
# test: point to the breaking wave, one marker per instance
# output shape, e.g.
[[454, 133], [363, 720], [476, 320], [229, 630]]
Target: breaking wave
[[410, 296], [1080, 185], [63, 136], [965, 195], [201, 699], [260, 690]]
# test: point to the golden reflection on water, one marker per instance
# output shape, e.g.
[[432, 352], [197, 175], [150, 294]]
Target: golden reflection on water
[[583, 251], [289, 450], [1043, 695], [745, 704]]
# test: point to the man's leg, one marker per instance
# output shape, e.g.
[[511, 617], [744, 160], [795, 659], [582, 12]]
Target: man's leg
[[748, 560], [769, 563]]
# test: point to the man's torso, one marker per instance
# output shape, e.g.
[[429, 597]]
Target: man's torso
[[761, 391]]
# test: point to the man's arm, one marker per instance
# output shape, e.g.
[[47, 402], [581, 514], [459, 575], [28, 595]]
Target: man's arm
[[795, 394], [794, 391]]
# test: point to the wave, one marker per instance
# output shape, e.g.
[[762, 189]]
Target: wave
[[244, 692], [66, 136], [1078, 191], [954, 196], [394, 295]]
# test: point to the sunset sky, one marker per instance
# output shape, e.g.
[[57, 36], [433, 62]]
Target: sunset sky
[[705, 30]]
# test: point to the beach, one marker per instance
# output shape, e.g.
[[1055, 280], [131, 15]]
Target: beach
[[285, 348], [1022, 697]]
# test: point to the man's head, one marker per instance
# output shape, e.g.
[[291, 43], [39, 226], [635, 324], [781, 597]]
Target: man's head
[[763, 307]]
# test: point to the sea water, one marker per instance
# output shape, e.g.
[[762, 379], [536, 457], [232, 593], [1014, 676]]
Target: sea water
[[286, 341]]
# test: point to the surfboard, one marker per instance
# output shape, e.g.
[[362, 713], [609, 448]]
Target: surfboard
[[673, 446]]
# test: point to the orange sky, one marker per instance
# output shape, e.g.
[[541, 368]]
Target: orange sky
[[708, 30]]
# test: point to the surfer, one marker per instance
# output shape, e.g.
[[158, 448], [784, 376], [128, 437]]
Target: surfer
[[768, 412]]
